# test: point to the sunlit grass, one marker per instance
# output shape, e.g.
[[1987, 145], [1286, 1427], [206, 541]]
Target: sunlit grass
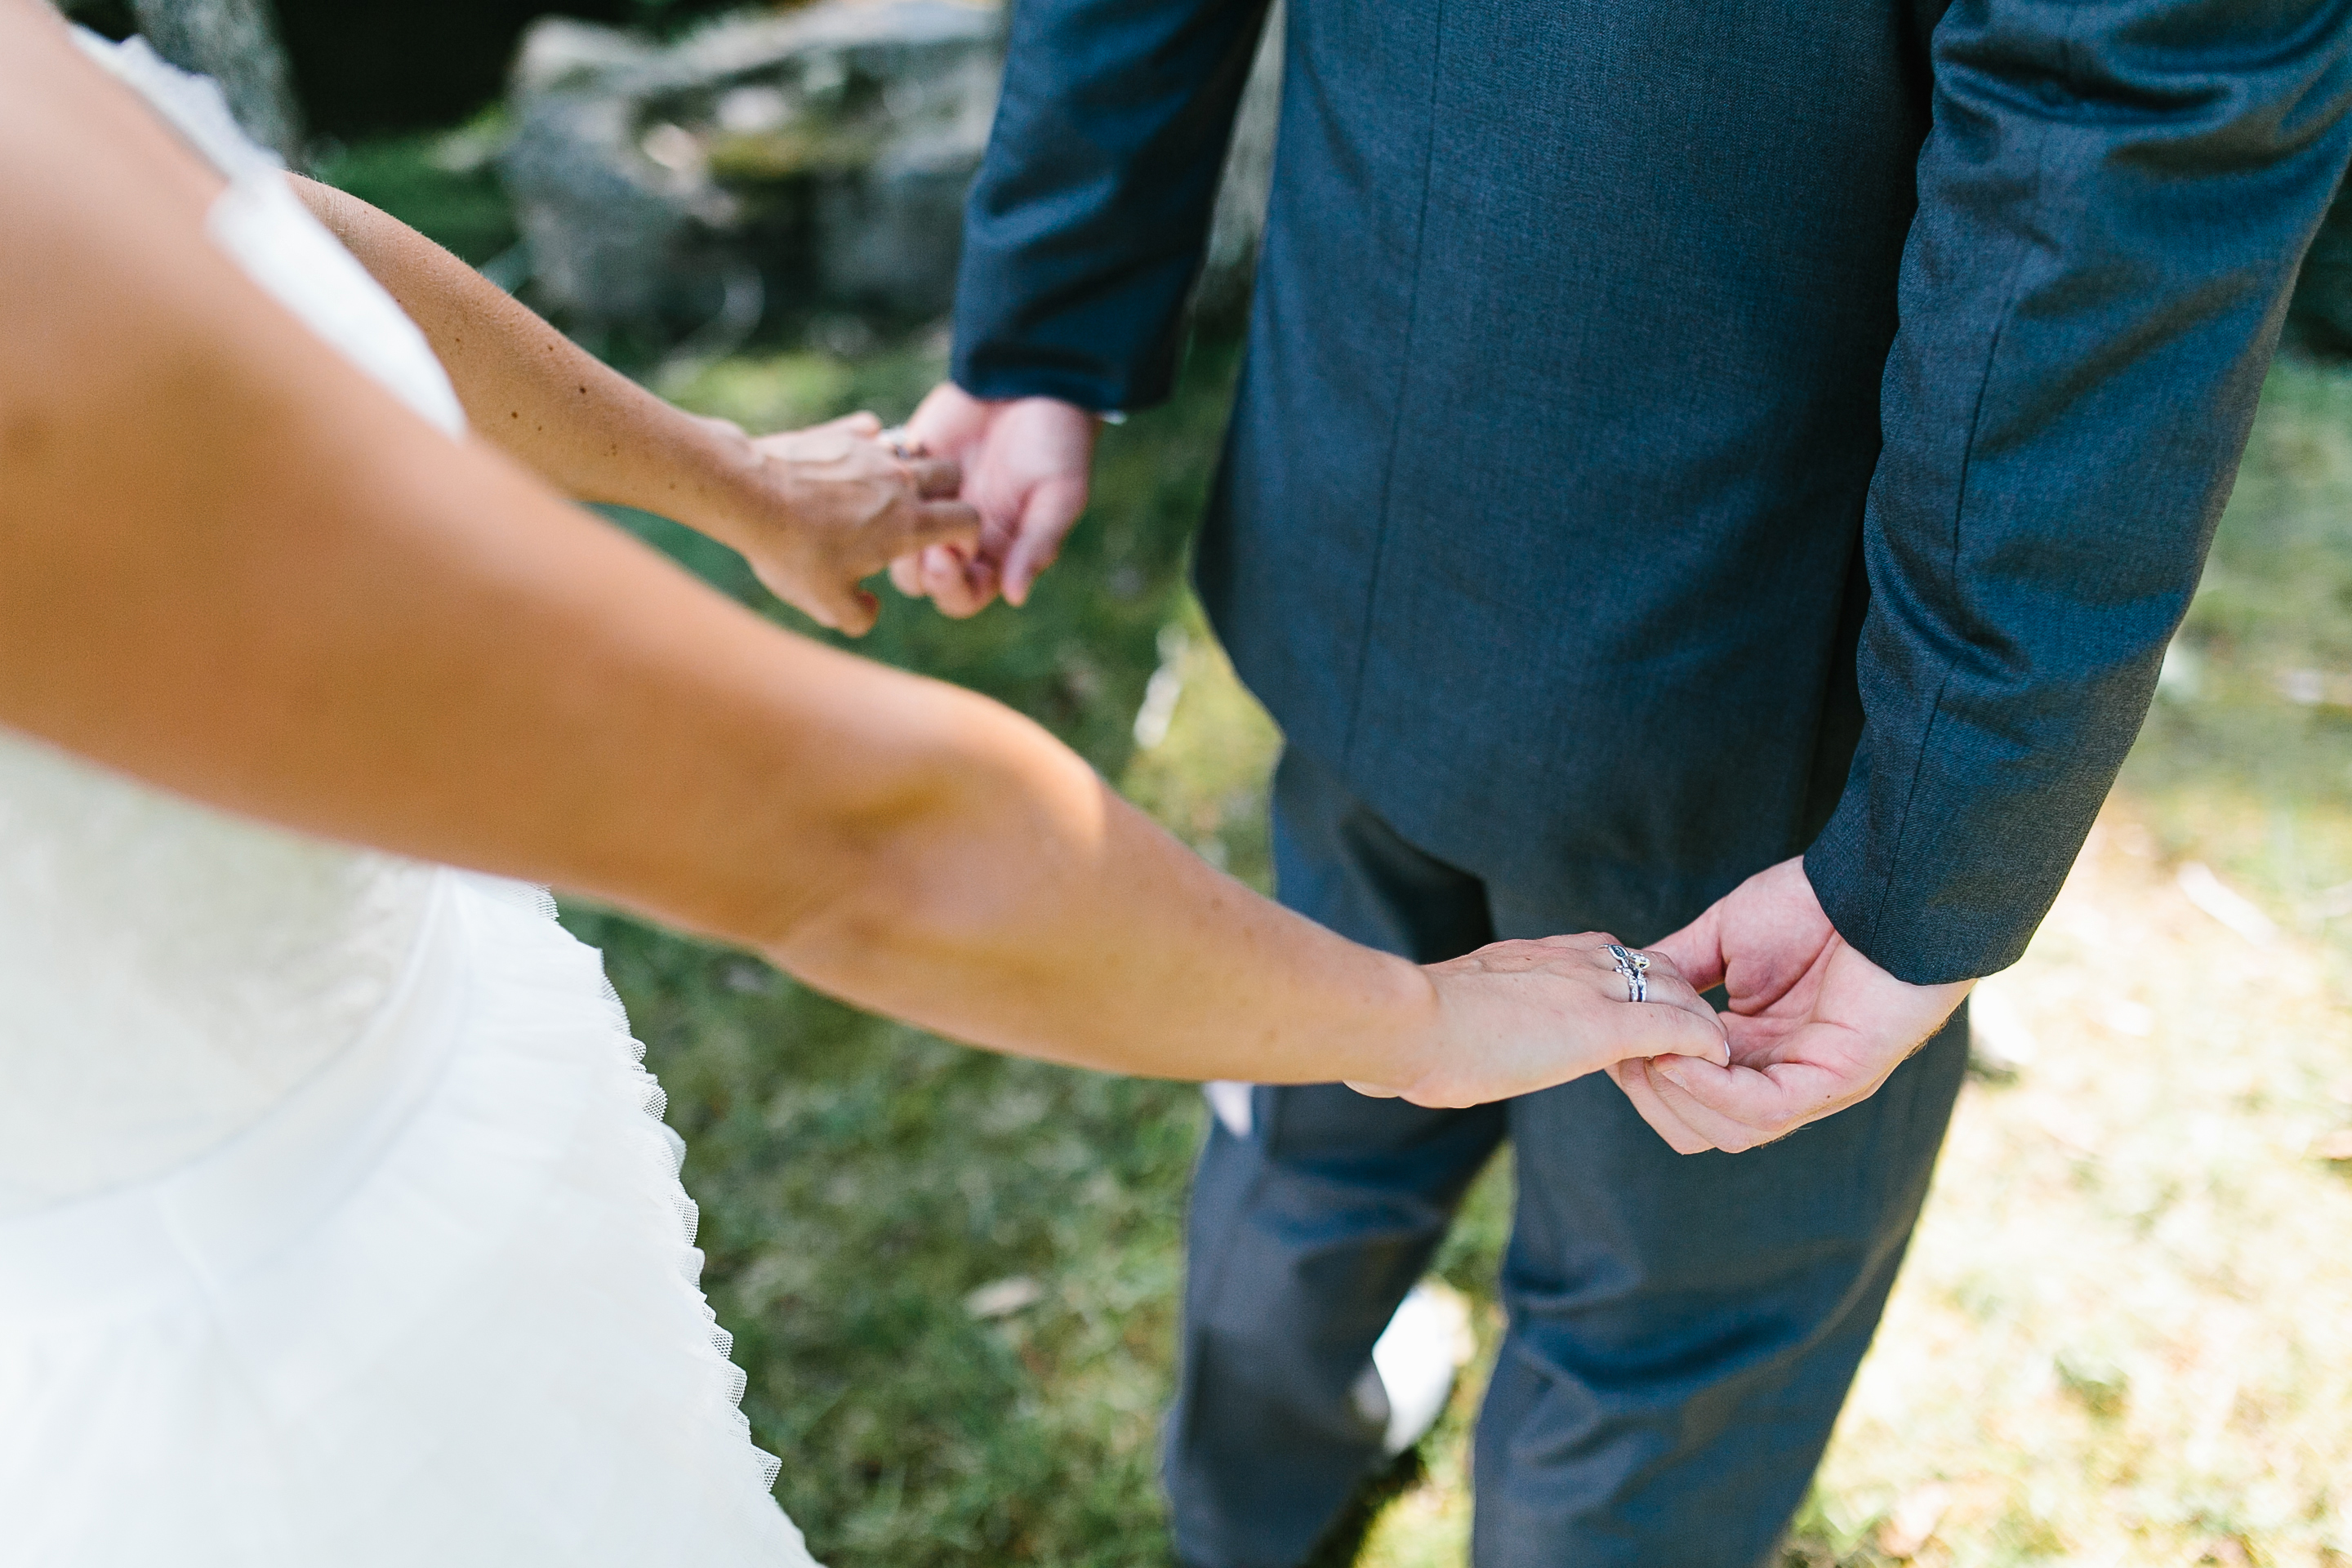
[[2124, 1332], [2247, 761]]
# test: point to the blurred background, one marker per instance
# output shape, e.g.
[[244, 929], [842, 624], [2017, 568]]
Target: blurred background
[[2125, 1334]]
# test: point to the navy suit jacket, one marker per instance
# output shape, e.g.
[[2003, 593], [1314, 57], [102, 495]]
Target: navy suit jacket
[[1679, 433]]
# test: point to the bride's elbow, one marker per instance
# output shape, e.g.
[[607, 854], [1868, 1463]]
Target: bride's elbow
[[936, 846]]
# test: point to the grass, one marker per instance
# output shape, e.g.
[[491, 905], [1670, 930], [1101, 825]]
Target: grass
[[2124, 1332], [2123, 1336], [859, 1181], [442, 184], [2247, 759]]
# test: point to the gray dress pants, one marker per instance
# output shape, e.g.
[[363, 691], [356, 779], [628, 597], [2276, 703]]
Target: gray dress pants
[[1682, 1329]]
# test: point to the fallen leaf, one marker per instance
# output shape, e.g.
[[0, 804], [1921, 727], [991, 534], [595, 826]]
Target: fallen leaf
[[1913, 1523], [2335, 1147], [2068, 1127], [2226, 904], [1002, 1297], [2312, 687], [2137, 1019], [2000, 1046]]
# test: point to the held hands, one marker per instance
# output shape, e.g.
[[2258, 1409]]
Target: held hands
[[1517, 1016], [816, 512], [1025, 462], [1814, 1026]]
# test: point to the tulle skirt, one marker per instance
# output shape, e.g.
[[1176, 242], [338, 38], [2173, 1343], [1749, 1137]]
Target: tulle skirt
[[439, 1308]]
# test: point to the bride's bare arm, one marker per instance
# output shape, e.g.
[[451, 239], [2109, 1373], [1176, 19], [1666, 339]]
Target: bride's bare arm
[[815, 511], [234, 567]]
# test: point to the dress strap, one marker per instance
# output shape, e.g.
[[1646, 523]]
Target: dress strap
[[192, 105], [268, 233]]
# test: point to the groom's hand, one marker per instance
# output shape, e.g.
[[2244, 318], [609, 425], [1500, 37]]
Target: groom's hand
[[1815, 1026], [1025, 461]]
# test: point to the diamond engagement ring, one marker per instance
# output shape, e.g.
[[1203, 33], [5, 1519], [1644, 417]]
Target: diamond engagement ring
[[1635, 967]]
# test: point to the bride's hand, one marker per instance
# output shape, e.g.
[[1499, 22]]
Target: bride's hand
[[816, 512], [1517, 1016]]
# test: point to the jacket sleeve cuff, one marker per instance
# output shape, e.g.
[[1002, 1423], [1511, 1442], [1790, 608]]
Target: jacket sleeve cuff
[[998, 382], [1972, 922]]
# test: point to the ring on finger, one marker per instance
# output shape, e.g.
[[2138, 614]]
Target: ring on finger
[[1635, 967]]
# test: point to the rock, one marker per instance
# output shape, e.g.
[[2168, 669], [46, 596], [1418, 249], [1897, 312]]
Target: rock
[[819, 155], [824, 151], [235, 43], [558, 55]]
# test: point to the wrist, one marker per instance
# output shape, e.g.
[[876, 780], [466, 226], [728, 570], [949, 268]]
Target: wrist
[[1409, 1044], [716, 481]]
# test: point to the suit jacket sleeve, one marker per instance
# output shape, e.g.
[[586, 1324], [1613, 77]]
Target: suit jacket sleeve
[[1091, 209], [2114, 199]]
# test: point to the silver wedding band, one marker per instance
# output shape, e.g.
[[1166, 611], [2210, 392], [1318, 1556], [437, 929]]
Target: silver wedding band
[[1635, 967]]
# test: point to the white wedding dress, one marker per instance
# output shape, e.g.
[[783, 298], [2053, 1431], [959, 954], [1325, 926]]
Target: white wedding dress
[[337, 1223]]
